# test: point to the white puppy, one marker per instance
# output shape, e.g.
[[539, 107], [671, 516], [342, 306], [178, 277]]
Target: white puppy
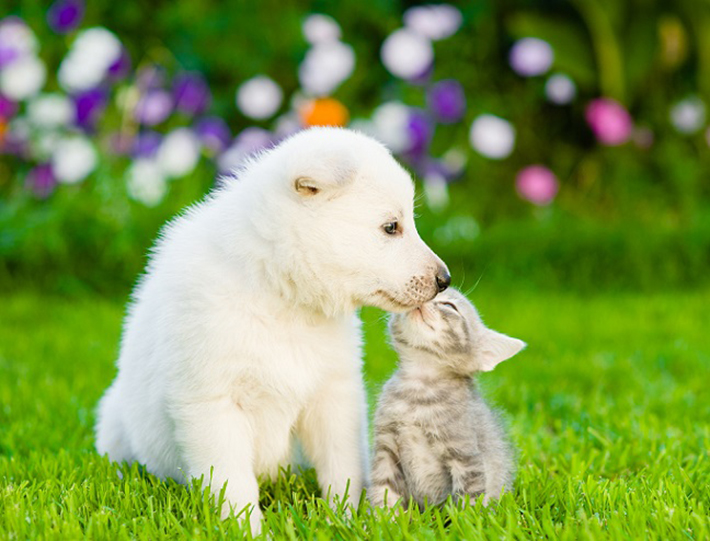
[[243, 331]]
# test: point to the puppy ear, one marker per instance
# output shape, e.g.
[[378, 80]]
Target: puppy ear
[[495, 348], [307, 187], [323, 174]]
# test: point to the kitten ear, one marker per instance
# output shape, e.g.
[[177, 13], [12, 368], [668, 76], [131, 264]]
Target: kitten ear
[[495, 348]]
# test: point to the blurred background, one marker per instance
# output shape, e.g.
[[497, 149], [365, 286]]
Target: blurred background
[[559, 144]]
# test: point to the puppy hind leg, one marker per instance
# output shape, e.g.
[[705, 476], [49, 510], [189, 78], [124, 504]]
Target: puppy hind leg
[[216, 442], [111, 436]]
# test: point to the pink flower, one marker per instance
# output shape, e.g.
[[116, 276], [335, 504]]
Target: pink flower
[[610, 122], [537, 184]]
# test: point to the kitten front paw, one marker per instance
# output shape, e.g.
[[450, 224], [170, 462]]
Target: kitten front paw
[[384, 497]]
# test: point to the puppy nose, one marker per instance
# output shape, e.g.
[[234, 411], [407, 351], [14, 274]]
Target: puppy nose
[[443, 279]]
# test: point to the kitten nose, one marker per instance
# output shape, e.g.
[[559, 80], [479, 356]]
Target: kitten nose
[[443, 279]]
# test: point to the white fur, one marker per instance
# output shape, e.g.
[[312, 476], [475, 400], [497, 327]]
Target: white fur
[[244, 331]]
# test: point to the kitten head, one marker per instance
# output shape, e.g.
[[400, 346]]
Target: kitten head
[[449, 329]]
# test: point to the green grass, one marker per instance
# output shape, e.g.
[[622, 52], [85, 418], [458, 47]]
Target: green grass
[[609, 407]]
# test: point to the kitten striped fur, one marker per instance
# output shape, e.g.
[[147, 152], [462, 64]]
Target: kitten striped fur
[[434, 434]]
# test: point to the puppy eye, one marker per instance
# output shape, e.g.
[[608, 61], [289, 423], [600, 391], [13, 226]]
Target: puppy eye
[[391, 228], [450, 305]]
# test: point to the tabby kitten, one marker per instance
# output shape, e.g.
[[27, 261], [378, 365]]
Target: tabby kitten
[[434, 434]]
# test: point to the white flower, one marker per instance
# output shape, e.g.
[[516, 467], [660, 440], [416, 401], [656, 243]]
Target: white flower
[[531, 56], [23, 78], [325, 67], [146, 182], [318, 28], [20, 128], [45, 143], [50, 110], [436, 191], [92, 54], [406, 53], [560, 89], [286, 125], [492, 136], [259, 97], [16, 36], [455, 160], [73, 159], [688, 115], [457, 229], [391, 122], [179, 153], [364, 125], [436, 21]]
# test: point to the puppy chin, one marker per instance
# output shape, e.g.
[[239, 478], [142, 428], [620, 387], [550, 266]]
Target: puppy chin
[[391, 303], [398, 308], [423, 299]]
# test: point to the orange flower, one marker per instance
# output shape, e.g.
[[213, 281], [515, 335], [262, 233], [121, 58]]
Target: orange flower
[[3, 129], [324, 112]]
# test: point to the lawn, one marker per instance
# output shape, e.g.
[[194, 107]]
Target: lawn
[[609, 408]]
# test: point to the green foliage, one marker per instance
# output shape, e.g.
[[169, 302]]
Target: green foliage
[[607, 406]]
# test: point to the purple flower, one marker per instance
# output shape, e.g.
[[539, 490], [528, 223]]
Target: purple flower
[[433, 168], [65, 15], [121, 67], [41, 180], [8, 108], [146, 144], [213, 133], [423, 78], [610, 122], [150, 77], [537, 184], [89, 105], [16, 40], [249, 141], [440, 168], [191, 93], [7, 54], [120, 143], [153, 107], [447, 101], [14, 143], [420, 131]]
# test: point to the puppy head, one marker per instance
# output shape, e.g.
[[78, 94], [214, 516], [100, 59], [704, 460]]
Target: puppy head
[[352, 208]]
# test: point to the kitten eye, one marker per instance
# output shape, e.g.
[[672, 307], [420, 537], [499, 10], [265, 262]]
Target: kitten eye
[[391, 228], [450, 305]]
